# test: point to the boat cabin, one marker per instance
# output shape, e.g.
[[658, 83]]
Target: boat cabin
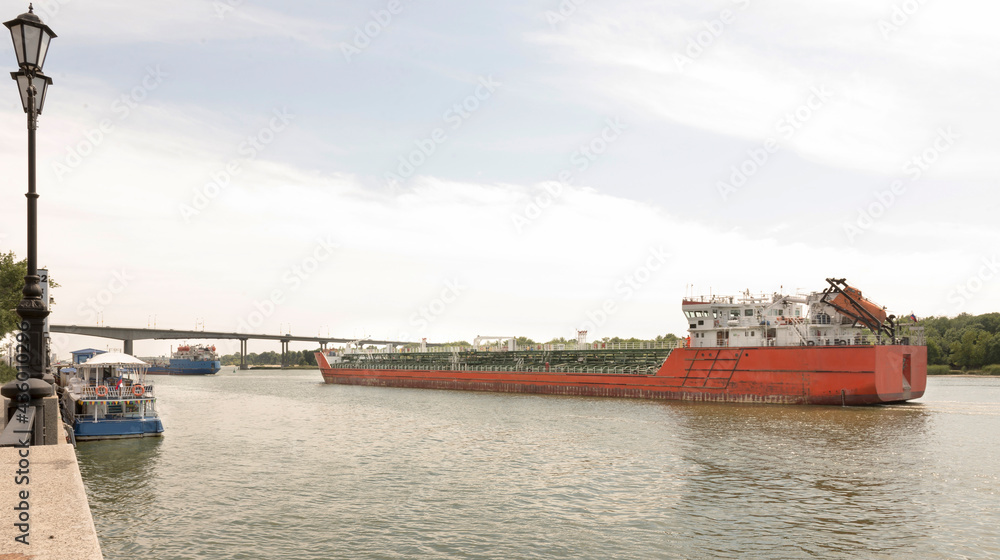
[[776, 320], [109, 397]]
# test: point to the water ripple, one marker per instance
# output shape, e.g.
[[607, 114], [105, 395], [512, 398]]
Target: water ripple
[[276, 465]]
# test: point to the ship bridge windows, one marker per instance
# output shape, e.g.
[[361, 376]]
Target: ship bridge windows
[[696, 314], [748, 312], [734, 314]]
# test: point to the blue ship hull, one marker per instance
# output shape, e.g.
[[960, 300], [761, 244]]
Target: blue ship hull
[[180, 366], [89, 429]]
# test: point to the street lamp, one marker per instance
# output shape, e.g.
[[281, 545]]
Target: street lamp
[[31, 43]]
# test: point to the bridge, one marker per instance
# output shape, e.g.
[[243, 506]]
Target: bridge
[[128, 335]]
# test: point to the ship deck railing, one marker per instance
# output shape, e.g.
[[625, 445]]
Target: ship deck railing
[[906, 335], [123, 393], [597, 370], [520, 348]]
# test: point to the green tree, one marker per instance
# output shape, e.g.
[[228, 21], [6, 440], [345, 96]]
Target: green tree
[[993, 349], [12, 273], [11, 281], [667, 338], [969, 351], [935, 355]]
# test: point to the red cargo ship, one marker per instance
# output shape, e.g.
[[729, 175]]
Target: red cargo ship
[[832, 347]]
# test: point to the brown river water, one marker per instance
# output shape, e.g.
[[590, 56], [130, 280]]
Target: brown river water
[[276, 465]]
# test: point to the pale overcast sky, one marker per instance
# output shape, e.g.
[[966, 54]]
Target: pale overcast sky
[[409, 168]]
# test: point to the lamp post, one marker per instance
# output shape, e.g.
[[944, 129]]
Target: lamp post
[[31, 43]]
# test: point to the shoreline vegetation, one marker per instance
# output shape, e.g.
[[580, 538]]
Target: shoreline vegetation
[[961, 345], [987, 371]]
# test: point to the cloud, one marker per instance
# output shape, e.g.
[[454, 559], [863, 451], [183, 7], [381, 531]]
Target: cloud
[[318, 178], [108, 22], [739, 75]]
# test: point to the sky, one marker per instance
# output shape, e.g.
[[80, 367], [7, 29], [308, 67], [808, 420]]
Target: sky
[[407, 169]]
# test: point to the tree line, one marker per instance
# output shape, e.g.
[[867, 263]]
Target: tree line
[[966, 342], [295, 358]]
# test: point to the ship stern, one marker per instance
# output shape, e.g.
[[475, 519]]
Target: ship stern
[[900, 372]]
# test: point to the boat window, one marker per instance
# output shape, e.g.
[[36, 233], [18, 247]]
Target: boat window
[[700, 322], [748, 312], [753, 333], [734, 314]]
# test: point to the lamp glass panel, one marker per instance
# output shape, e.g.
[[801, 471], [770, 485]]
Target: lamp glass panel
[[41, 86], [43, 49], [22, 87], [15, 35], [32, 39]]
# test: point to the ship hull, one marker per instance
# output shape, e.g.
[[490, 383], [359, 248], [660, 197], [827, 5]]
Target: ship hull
[[89, 430], [828, 375], [187, 367]]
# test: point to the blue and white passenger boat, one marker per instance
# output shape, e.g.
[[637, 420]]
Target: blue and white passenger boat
[[109, 398]]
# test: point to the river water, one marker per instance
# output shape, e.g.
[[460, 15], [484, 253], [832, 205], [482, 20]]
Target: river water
[[276, 465]]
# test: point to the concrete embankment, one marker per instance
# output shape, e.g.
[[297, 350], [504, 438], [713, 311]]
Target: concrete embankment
[[58, 520]]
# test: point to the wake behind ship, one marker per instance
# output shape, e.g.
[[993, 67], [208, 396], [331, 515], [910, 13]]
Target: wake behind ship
[[832, 347]]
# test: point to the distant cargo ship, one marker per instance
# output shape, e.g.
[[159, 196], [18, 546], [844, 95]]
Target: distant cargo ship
[[187, 360], [832, 347]]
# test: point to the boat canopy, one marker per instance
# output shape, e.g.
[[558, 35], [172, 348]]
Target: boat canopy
[[114, 359]]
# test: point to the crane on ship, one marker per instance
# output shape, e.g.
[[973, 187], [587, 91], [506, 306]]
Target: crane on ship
[[849, 302]]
